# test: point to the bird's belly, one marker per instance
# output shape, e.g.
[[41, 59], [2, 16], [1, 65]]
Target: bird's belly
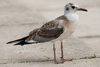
[[67, 32], [65, 35]]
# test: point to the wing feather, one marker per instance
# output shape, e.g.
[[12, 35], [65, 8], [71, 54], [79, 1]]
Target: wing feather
[[50, 30], [47, 32]]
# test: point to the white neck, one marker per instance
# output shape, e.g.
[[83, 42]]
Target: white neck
[[72, 16]]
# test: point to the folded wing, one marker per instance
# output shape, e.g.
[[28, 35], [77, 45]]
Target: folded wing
[[47, 32]]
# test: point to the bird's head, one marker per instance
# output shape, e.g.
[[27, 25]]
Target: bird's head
[[72, 8]]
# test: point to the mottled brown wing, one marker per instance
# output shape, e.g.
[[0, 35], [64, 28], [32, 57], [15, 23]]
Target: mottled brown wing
[[50, 30], [47, 32]]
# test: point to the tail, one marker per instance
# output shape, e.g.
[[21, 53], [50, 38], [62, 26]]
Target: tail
[[20, 41]]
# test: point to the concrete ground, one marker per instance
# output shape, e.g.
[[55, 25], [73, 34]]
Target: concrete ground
[[18, 18]]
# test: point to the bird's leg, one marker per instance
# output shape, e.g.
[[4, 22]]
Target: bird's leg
[[54, 49], [62, 57]]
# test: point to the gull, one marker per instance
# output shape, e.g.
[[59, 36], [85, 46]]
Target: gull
[[56, 30]]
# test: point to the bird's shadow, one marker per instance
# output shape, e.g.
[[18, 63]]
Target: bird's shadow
[[35, 61]]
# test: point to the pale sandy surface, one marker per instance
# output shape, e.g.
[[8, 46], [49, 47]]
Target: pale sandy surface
[[19, 17]]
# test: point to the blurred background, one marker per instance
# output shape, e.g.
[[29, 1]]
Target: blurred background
[[19, 17]]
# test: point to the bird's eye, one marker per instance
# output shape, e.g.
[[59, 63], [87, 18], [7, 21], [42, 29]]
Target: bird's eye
[[73, 7], [67, 8]]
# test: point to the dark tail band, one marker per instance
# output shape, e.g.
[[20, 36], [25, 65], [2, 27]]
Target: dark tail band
[[21, 41]]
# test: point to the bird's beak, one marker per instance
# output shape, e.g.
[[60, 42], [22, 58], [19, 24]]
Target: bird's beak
[[82, 9]]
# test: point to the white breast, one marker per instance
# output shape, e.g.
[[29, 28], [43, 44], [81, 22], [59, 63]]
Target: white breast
[[72, 17]]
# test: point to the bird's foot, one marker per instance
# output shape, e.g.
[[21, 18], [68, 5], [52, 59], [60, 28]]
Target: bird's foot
[[63, 60], [56, 62]]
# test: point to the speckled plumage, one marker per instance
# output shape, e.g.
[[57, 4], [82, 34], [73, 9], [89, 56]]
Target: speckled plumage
[[57, 29]]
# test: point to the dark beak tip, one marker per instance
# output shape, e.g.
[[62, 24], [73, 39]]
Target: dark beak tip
[[82, 9], [85, 10]]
